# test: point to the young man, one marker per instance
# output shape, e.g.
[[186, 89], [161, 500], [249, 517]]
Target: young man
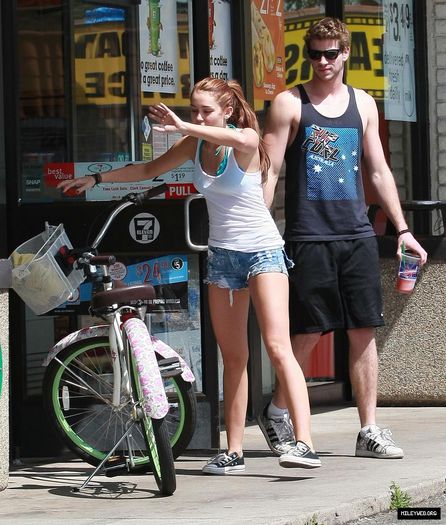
[[324, 129]]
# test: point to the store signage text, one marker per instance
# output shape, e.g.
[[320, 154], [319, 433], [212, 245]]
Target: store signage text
[[100, 68]]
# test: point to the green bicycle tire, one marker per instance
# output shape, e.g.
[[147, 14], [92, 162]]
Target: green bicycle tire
[[157, 443]]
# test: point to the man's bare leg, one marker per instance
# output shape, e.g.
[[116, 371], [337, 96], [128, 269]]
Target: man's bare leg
[[363, 364], [372, 441]]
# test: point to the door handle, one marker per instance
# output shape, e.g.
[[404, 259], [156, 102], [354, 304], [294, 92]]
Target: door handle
[[190, 244]]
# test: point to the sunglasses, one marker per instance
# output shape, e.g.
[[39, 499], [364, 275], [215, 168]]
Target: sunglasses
[[329, 54]]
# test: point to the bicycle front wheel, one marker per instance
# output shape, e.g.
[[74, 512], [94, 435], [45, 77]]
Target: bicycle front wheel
[[77, 396], [157, 440]]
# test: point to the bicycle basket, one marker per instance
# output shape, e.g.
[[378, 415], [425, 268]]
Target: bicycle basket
[[37, 276]]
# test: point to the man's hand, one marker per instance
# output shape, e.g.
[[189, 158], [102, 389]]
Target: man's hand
[[411, 244]]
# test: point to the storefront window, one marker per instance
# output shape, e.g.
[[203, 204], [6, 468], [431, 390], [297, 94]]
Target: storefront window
[[42, 109], [381, 63], [83, 102], [101, 110]]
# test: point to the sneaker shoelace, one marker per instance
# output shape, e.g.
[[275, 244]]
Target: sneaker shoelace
[[383, 436], [284, 429], [301, 447], [220, 459]]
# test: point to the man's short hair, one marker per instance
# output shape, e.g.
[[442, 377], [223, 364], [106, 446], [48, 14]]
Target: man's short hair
[[329, 29]]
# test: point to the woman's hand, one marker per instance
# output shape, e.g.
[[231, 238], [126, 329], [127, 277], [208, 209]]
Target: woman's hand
[[78, 185], [168, 120]]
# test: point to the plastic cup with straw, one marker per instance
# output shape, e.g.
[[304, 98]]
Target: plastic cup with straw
[[408, 270]]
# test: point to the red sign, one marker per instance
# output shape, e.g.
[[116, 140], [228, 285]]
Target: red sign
[[55, 172], [180, 191]]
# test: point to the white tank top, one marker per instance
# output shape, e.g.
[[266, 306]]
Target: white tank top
[[238, 216]]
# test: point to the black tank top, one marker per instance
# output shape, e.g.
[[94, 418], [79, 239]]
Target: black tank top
[[324, 194]]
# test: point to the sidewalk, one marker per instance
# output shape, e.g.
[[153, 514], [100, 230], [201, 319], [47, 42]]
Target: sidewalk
[[343, 489]]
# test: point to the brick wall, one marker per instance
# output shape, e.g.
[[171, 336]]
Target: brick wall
[[436, 20]]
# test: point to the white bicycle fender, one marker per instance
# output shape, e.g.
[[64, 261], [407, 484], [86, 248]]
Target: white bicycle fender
[[85, 333], [155, 399], [102, 331]]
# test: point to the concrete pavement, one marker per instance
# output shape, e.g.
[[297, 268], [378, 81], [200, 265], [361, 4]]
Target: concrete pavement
[[343, 489]]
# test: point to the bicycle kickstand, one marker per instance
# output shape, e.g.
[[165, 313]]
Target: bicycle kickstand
[[102, 463]]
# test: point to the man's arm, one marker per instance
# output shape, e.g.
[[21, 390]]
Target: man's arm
[[381, 177], [276, 135]]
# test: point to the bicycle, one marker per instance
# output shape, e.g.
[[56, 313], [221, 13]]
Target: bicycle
[[120, 398]]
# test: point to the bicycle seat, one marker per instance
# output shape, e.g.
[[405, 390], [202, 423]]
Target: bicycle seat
[[123, 295]]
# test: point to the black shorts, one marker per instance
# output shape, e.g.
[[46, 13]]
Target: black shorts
[[334, 284]]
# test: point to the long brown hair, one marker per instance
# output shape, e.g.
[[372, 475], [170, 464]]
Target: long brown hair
[[230, 93]]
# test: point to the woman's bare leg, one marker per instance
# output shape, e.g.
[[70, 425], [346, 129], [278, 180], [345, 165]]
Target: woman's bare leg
[[230, 322], [269, 292]]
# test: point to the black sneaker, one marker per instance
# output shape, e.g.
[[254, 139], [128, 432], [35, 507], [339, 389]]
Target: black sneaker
[[224, 463], [378, 443], [278, 432], [300, 455]]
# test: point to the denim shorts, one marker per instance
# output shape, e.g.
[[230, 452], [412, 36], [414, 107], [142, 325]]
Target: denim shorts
[[232, 269]]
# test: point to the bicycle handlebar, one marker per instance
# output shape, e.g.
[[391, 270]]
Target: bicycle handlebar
[[102, 260], [153, 192]]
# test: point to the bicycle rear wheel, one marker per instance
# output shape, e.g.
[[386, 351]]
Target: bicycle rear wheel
[[77, 394]]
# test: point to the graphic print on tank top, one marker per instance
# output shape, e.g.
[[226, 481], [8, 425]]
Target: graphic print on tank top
[[332, 163]]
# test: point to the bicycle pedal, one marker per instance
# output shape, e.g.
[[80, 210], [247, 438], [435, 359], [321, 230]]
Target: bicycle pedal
[[125, 469], [140, 469], [116, 466], [116, 470]]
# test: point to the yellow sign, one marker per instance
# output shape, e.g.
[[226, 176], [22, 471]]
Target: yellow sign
[[365, 66], [101, 70], [100, 63]]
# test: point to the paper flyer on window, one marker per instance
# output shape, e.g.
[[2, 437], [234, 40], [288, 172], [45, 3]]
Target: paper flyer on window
[[268, 52], [157, 49], [168, 274], [220, 42], [398, 58], [179, 181]]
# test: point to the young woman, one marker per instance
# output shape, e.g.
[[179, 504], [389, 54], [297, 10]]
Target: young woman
[[245, 258]]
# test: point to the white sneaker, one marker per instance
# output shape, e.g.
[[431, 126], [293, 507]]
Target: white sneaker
[[300, 455], [278, 432], [377, 443], [224, 463]]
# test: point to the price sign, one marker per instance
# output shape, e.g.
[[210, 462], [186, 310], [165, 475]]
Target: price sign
[[399, 21], [398, 58]]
